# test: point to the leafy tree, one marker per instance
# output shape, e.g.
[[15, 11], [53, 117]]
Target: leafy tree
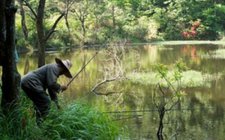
[[42, 34], [180, 15], [213, 22], [81, 12], [167, 96]]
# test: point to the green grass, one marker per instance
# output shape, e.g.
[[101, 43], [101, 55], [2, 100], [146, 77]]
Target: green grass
[[75, 121], [79, 121]]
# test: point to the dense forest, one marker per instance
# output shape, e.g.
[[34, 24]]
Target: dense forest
[[73, 23]]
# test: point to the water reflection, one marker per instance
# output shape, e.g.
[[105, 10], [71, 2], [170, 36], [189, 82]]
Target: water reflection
[[200, 113]]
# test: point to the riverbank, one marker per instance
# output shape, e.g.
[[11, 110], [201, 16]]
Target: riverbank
[[189, 42], [180, 42]]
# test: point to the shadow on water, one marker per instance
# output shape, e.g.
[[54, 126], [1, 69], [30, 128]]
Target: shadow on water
[[200, 113]]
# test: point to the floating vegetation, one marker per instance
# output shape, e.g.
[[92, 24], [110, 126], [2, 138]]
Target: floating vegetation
[[190, 78], [220, 53], [143, 78]]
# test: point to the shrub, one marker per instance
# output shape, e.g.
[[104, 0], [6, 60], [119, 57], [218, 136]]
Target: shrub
[[138, 29]]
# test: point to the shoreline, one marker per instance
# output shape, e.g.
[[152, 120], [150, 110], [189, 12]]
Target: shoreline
[[189, 42]]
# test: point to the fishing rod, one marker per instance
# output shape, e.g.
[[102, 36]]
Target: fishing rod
[[81, 70], [56, 103]]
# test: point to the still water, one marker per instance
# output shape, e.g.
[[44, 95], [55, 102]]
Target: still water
[[129, 100]]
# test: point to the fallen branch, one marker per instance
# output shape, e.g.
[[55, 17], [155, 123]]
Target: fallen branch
[[94, 89], [103, 82], [104, 93]]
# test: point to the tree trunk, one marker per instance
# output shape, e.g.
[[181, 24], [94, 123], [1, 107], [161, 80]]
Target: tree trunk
[[2, 29], [83, 30], [10, 75], [23, 20], [113, 17], [160, 128], [40, 33], [41, 36]]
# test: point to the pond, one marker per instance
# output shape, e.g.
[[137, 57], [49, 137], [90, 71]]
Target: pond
[[131, 82]]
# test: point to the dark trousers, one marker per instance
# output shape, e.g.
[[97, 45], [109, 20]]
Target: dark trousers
[[41, 102]]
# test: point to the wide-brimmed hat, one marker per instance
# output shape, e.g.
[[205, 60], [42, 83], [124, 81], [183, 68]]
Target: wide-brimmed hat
[[66, 64]]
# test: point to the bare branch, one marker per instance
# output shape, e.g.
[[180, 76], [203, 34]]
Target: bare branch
[[112, 69], [105, 93], [23, 21], [160, 88], [154, 98], [170, 84], [69, 4], [171, 107], [31, 9], [66, 20], [94, 89], [52, 30]]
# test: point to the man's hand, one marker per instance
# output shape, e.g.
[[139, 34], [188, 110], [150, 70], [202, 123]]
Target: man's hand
[[63, 87]]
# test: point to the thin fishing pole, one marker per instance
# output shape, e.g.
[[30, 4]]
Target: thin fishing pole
[[81, 70]]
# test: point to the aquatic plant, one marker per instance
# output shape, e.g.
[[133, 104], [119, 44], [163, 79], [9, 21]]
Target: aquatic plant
[[189, 78]]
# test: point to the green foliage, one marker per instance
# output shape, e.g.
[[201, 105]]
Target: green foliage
[[137, 29], [170, 21], [79, 121], [18, 124], [134, 20], [76, 121], [178, 69], [56, 43], [213, 21], [143, 78], [162, 70], [177, 75], [178, 15]]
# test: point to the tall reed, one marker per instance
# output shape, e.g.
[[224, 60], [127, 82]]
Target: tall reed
[[79, 121], [74, 121]]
